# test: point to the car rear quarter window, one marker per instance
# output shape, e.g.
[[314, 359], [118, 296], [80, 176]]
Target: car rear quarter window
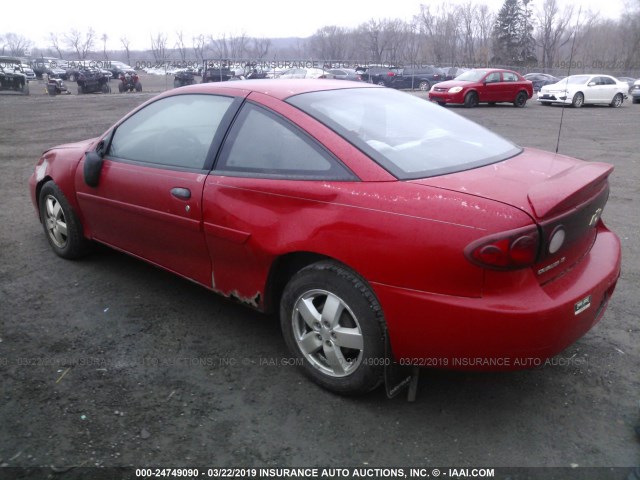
[[509, 77], [263, 144], [408, 136], [175, 131]]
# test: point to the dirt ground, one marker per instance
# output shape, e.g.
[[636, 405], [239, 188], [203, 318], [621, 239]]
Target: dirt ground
[[108, 361]]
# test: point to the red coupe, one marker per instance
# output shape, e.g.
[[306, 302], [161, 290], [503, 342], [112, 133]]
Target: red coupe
[[483, 86], [378, 225]]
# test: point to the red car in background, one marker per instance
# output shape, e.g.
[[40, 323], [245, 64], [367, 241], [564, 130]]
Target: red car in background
[[488, 85], [379, 226]]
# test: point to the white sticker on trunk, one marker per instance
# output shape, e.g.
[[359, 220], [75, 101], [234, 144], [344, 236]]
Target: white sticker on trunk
[[582, 305]]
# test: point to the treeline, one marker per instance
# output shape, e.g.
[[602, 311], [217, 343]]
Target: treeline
[[531, 34]]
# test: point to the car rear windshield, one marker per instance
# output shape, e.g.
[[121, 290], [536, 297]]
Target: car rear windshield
[[408, 136]]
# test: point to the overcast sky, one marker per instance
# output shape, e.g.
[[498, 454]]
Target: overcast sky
[[268, 18]]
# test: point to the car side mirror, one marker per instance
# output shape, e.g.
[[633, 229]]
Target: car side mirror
[[92, 167], [591, 84]]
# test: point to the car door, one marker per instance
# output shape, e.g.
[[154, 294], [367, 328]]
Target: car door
[[609, 89], [270, 188], [148, 201], [490, 92], [594, 91], [510, 85]]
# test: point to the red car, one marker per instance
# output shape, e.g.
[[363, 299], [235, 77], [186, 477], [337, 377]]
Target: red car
[[483, 86], [378, 225]]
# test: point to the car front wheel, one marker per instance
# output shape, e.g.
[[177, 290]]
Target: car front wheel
[[333, 323], [425, 86], [471, 100], [578, 100], [61, 225]]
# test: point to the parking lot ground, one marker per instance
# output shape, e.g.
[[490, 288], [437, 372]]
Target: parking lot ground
[[108, 361]]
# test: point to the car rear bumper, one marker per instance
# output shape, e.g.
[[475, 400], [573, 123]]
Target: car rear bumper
[[503, 331]]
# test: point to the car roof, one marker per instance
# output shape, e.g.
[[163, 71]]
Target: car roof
[[277, 88]]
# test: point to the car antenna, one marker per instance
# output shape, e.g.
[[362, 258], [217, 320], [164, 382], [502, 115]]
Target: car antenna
[[573, 44]]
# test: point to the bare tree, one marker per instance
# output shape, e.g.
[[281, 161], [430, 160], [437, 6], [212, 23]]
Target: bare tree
[[199, 44], [104, 37], [230, 47], [55, 44], [382, 39], [329, 42], [468, 15], [159, 48], [181, 47], [260, 48], [81, 43], [441, 29], [17, 44], [125, 44], [484, 22], [553, 30]]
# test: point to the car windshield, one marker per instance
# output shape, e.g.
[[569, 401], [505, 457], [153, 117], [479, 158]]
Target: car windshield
[[576, 79], [408, 136], [472, 76]]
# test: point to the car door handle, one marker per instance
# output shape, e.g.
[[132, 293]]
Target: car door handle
[[181, 193]]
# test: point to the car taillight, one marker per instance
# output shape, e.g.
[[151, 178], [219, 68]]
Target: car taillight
[[391, 74], [506, 251]]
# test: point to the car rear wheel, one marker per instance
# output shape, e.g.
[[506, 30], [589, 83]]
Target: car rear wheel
[[578, 100], [332, 322], [617, 101], [521, 100], [471, 100], [381, 83], [60, 223], [72, 77], [425, 86]]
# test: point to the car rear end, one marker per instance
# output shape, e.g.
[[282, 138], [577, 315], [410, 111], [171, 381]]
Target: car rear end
[[544, 285]]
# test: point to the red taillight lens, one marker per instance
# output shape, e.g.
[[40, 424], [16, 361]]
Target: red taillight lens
[[506, 251], [391, 74]]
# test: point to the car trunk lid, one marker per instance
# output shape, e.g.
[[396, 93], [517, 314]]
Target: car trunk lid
[[563, 196]]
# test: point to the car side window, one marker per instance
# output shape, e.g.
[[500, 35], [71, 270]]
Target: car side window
[[263, 144], [509, 77], [175, 131], [493, 77], [607, 81]]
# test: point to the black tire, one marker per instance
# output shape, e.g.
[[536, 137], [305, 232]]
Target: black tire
[[61, 225], [121, 87], [51, 90], [617, 101], [25, 88], [578, 100], [424, 86], [106, 88], [381, 83], [521, 100], [442, 104], [471, 100], [138, 87], [635, 100], [351, 369]]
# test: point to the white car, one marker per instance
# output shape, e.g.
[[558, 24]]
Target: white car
[[306, 73], [578, 90]]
